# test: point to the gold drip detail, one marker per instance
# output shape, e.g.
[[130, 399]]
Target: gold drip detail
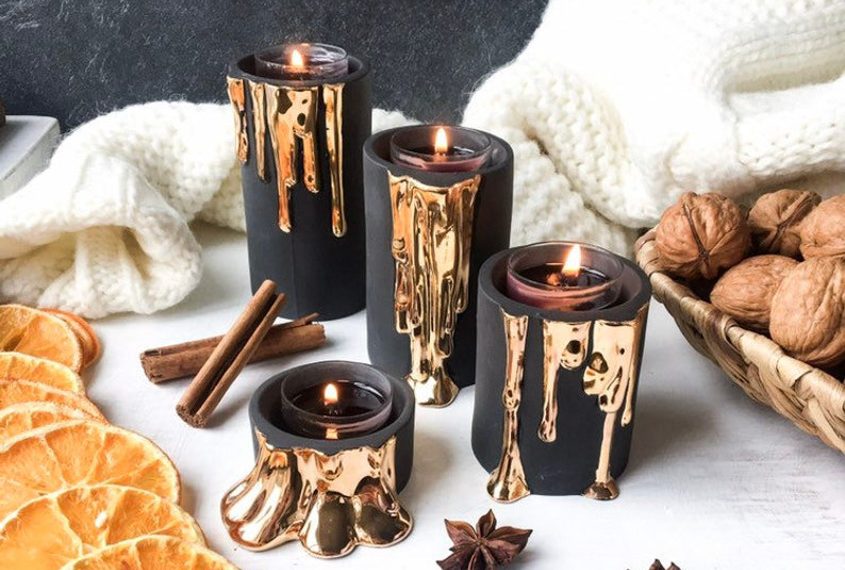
[[333, 101], [292, 116], [432, 238], [611, 375], [330, 503], [259, 122], [237, 96], [564, 345], [507, 481]]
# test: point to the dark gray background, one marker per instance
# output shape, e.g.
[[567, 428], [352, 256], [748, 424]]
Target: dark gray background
[[75, 59]]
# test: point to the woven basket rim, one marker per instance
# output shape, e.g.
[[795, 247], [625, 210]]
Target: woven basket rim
[[808, 396]]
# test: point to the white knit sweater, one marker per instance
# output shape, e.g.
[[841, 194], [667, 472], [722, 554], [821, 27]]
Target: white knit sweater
[[613, 109]]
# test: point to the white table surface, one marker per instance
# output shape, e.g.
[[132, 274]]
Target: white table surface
[[714, 480]]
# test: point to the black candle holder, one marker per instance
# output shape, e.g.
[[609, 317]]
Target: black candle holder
[[428, 233], [330, 494], [299, 143], [556, 391]]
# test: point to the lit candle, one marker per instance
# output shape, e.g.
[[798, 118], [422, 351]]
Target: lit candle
[[440, 148], [336, 408], [302, 62], [563, 276]]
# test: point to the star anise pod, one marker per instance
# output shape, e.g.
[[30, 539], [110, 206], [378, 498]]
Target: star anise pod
[[484, 547], [657, 565]]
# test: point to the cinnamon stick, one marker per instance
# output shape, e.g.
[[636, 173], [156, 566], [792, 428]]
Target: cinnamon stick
[[185, 359], [230, 356]]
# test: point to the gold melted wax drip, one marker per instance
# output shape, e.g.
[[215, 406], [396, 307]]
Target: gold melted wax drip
[[290, 115], [507, 481], [564, 345], [237, 96], [611, 375], [331, 503], [259, 121], [432, 238]]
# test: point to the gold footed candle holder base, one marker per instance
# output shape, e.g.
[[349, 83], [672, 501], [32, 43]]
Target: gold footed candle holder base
[[330, 503], [329, 494]]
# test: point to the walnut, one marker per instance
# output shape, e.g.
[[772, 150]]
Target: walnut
[[701, 235], [823, 230], [775, 220], [745, 291], [808, 312]]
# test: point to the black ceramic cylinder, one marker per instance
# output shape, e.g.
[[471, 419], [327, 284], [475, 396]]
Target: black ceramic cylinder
[[265, 415], [564, 425], [307, 233], [391, 249]]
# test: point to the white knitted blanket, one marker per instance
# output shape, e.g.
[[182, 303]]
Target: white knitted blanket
[[613, 109], [105, 228]]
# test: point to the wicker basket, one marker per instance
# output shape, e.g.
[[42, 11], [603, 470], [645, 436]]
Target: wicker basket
[[812, 399]]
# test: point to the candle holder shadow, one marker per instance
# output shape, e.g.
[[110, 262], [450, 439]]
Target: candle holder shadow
[[428, 233], [556, 391], [299, 143], [331, 495]]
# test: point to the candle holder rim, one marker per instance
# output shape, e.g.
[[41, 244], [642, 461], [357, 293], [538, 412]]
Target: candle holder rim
[[385, 391], [581, 291], [501, 154], [488, 286], [412, 157], [402, 410], [358, 68], [330, 48]]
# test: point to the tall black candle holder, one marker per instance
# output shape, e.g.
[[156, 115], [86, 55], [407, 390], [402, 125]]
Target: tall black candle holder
[[556, 391], [330, 494], [299, 142], [427, 235]]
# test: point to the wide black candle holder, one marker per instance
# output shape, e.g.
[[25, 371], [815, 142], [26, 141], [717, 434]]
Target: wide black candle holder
[[556, 391], [428, 233], [299, 142], [330, 494]]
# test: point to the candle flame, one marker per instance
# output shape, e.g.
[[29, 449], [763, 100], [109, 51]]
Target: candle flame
[[296, 59], [572, 264], [330, 393], [441, 141]]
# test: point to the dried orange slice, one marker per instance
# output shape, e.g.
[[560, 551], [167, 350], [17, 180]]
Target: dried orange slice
[[26, 416], [83, 330], [152, 553], [34, 332], [81, 452], [19, 366], [18, 391], [52, 530]]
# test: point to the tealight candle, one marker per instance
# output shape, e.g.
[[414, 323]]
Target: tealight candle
[[335, 408], [440, 148], [302, 62], [563, 276]]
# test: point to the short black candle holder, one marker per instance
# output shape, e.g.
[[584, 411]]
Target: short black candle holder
[[299, 142], [556, 391], [428, 233], [330, 494]]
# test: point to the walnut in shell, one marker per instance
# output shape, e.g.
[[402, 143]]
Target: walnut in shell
[[823, 230], [701, 235], [775, 220], [745, 291], [808, 312]]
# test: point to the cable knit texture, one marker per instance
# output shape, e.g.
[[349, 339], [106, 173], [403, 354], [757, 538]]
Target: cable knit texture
[[614, 108], [104, 229]]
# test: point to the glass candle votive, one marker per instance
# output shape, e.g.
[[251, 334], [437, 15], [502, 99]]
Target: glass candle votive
[[564, 276], [335, 408], [440, 148], [302, 62]]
